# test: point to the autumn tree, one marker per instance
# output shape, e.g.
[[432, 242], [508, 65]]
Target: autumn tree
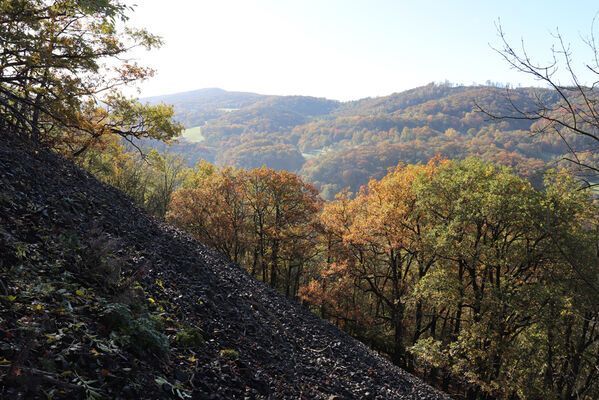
[[330, 287], [469, 269], [214, 211], [261, 218], [282, 209], [381, 246], [60, 69]]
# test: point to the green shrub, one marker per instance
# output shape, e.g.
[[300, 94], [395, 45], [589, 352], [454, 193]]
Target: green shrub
[[158, 321], [189, 338], [144, 335], [229, 354], [117, 317], [142, 332]]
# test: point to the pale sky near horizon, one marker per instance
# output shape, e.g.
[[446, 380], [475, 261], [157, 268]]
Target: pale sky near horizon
[[348, 49]]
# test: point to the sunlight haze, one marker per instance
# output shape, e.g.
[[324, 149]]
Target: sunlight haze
[[346, 49]]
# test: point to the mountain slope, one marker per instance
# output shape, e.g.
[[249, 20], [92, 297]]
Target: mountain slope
[[91, 288]]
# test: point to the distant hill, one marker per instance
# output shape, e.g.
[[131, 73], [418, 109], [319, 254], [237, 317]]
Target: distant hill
[[100, 300], [195, 107], [339, 144]]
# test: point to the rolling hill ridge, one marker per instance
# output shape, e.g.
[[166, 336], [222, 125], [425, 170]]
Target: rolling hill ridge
[[335, 145]]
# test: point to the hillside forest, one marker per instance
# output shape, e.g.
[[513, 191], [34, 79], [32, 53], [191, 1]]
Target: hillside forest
[[450, 239], [335, 145]]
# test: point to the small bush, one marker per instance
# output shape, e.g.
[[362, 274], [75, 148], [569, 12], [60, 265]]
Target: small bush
[[117, 317], [144, 335], [142, 332], [158, 321]]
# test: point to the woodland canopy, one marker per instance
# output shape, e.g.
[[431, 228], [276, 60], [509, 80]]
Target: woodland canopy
[[62, 64]]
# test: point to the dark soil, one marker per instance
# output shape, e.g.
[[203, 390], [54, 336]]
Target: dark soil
[[71, 248]]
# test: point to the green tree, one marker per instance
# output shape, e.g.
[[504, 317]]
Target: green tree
[[503, 272], [167, 173]]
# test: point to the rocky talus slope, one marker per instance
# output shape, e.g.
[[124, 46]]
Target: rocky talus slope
[[100, 300]]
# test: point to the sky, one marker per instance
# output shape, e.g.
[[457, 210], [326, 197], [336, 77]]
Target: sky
[[349, 49]]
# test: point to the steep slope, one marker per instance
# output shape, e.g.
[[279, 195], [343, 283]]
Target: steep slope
[[91, 287]]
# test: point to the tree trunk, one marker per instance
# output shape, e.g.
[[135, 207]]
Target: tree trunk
[[418, 322], [274, 266], [398, 355]]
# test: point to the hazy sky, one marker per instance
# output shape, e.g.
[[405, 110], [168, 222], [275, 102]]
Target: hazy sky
[[347, 49]]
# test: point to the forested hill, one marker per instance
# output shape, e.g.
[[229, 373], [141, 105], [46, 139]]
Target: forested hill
[[339, 144], [100, 300], [199, 106]]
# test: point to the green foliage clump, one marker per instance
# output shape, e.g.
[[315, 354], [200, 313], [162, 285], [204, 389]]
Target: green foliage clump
[[117, 317], [142, 332], [229, 354], [189, 338], [158, 321]]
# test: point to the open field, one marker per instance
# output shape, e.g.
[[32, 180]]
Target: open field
[[193, 134]]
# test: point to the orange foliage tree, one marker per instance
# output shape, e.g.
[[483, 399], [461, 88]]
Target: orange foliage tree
[[377, 242], [215, 212], [263, 219]]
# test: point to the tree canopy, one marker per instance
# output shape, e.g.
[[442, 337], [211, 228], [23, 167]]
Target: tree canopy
[[62, 64]]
